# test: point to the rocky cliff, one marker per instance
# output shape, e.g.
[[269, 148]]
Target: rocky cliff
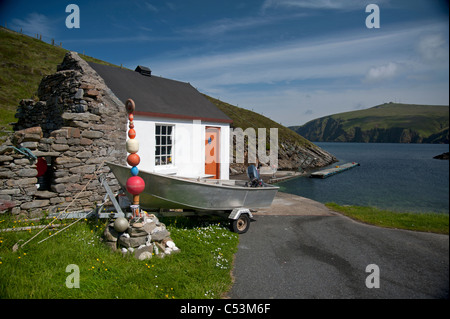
[[387, 123]]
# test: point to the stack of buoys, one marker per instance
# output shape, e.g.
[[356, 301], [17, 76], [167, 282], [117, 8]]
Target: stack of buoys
[[135, 184]]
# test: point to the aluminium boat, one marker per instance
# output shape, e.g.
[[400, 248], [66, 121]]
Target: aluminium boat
[[197, 194]]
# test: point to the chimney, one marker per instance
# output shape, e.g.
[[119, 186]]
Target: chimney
[[143, 70]]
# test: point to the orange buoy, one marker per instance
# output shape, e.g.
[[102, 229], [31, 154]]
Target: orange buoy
[[131, 133], [133, 159]]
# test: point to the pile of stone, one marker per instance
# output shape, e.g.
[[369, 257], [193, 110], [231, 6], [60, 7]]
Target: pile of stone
[[76, 125], [141, 236]]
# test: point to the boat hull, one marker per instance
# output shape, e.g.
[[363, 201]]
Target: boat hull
[[172, 192]]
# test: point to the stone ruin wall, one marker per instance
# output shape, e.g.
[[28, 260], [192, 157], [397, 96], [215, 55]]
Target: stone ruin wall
[[76, 125]]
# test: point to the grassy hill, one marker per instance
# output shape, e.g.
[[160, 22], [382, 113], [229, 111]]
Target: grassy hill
[[24, 61], [389, 122], [244, 118]]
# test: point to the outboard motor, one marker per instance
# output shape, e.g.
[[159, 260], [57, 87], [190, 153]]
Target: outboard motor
[[253, 175]]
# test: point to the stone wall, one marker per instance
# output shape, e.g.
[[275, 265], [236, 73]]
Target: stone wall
[[76, 125]]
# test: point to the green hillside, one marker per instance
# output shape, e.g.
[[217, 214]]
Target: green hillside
[[24, 61], [389, 123], [244, 119]]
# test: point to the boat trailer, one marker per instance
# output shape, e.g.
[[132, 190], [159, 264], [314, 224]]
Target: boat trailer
[[240, 218]]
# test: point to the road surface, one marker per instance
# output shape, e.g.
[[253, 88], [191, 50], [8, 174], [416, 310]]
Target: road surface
[[307, 251]]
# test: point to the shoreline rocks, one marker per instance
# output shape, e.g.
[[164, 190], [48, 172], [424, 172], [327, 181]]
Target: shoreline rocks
[[443, 156]]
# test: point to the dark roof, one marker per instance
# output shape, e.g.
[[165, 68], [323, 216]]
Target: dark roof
[[159, 97], [143, 70]]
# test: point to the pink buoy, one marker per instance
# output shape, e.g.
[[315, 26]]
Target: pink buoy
[[135, 185]]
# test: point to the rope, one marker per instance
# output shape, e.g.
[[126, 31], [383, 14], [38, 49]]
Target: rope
[[25, 151], [64, 228], [65, 209]]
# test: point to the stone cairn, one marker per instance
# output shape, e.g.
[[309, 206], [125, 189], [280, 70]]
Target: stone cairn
[[142, 236]]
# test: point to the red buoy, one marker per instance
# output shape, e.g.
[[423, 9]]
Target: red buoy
[[41, 166], [135, 185]]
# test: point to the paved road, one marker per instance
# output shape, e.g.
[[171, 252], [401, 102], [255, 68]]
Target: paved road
[[325, 256]]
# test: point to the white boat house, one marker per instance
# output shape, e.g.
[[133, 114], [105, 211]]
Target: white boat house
[[180, 132]]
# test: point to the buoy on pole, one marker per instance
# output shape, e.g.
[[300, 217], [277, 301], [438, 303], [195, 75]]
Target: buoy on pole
[[135, 184]]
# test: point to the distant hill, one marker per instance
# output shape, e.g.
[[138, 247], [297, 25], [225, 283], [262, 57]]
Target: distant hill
[[24, 61], [385, 123]]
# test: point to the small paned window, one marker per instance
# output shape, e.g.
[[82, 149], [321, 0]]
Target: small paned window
[[164, 144]]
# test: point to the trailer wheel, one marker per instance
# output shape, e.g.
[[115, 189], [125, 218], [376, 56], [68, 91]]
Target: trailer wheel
[[240, 225]]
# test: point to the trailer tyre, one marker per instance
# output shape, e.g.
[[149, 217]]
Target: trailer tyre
[[240, 225]]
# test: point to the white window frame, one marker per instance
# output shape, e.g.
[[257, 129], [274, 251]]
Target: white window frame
[[164, 146]]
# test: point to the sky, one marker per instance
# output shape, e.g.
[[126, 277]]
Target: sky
[[290, 60]]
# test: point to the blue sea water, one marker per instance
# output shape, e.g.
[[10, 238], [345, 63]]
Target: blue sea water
[[399, 177]]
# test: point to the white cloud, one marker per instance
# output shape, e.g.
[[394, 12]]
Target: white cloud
[[339, 58], [171, 6], [382, 72], [324, 75], [317, 4], [34, 23], [221, 26], [227, 25], [433, 48], [313, 4], [150, 7]]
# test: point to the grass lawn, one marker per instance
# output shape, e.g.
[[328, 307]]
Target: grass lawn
[[426, 222], [201, 270]]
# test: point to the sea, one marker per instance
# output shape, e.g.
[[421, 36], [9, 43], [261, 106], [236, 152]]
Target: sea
[[398, 177]]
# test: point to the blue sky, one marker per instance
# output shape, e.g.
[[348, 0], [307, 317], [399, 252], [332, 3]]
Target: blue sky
[[291, 60]]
